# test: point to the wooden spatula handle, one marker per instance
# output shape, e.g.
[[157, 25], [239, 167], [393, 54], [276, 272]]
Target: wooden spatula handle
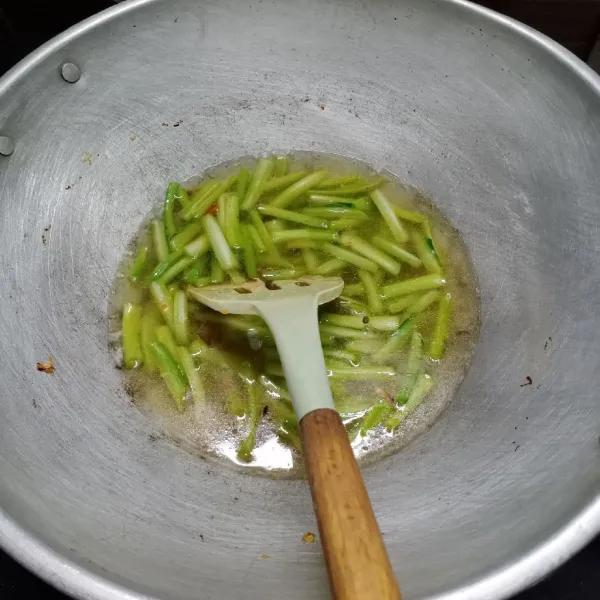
[[356, 558]]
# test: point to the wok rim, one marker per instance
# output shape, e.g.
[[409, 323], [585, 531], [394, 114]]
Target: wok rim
[[498, 584]]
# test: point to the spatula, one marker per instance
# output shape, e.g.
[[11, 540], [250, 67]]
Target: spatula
[[356, 558]]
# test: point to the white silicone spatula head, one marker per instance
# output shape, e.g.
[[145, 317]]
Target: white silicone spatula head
[[290, 309]]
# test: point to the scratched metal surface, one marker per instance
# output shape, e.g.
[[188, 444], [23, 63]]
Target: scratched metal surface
[[497, 124]]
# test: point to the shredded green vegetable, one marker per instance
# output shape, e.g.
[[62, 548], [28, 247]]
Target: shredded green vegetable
[[270, 221]]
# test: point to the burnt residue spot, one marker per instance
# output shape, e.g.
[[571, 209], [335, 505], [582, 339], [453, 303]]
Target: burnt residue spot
[[322, 106], [46, 367], [178, 123], [34, 403], [165, 124], [548, 341], [236, 498], [305, 99], [528, 381], [201, 537], [68, 187]]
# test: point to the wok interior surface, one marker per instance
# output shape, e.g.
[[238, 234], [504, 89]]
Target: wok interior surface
[[500, 128]]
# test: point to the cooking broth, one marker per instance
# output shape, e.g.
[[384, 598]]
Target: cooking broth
[[392, 366]]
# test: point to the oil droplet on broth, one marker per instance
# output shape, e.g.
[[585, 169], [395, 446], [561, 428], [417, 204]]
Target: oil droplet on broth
[[215, 433]]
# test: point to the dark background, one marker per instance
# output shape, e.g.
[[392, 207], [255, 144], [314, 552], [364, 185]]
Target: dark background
[[25, 24]]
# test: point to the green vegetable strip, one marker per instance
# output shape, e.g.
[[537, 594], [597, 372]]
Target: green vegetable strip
[[303, 245], [254, 413], [180, 318], [426, 252], [262, 173], [219, 244], [161, 248], [243, 179], [323, 201], [171, 374], [352, 321], [186, 235], [409, 286], [422, 387], [168, 210], [375, 417], [289, 438], [289, 215], [257, 242], [351, 306], [222, 210], [409, 215], [263, 232], [389, 216], [354, 289], [278, 183], [333, 211], [181, 265], [373, 296], [351, 257], [248, 252], [150, 321], [310, 260], [232, 221], [204, 201], [363, 346], [442, 326], [354, 189], [304, 234], [336, 182], [370, 252], [198, 269], [217, 275], [396, 341], [182, 197], [132, 326], [164, 266], [298, 189], [165, 337], [281, 166], [277, 274], [413, 367], [163, 300], [424, 302], [397, 306], [139, 264], [187, 363], [198, 247], [275, 225], [345, 332], [333, 265], [362, 373], [201, 281], [199, 348], [282, 413], [344, 224], [273, 389], [384, 323], [235, 404], [397, 251], [351, 357]]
